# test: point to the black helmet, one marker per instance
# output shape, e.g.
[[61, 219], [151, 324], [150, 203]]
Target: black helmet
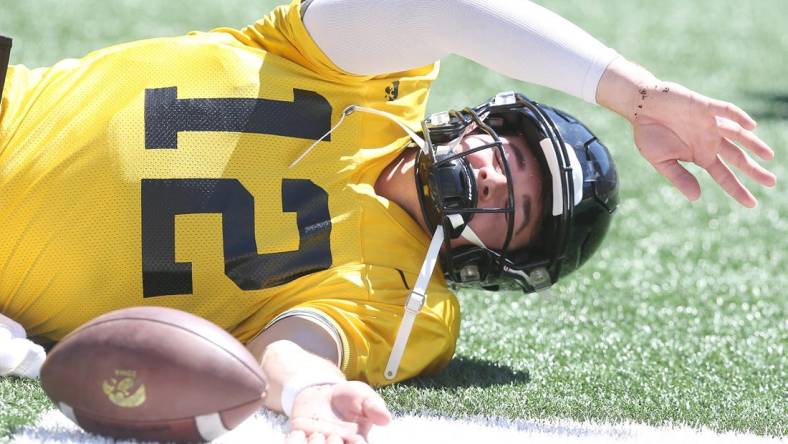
[[579, 199]]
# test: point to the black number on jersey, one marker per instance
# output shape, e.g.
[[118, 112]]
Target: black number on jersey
[[163, 199], [308, 116]]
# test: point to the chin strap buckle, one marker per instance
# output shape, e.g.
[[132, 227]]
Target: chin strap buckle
[[539, 279]]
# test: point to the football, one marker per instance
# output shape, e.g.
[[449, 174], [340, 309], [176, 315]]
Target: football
[[153, 374]]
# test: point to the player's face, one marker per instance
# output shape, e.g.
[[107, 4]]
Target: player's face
[[493, 193]]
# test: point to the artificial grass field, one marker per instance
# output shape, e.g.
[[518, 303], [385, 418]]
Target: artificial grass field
[[680, 318]]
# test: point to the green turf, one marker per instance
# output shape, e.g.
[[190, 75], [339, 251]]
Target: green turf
[[21, 400], [681, 318]]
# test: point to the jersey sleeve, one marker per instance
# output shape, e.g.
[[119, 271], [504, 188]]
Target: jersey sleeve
[[282, 33], [368, 330], [364, 304]]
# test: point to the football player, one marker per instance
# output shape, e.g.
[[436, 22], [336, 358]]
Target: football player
[[283, 182]]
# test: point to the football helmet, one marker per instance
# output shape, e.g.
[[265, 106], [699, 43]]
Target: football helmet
[[581, 192]]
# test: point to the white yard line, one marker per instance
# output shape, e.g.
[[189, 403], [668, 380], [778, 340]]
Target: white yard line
[[267, 428]]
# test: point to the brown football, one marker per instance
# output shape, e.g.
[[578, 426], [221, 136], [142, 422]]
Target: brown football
[[153, 374]]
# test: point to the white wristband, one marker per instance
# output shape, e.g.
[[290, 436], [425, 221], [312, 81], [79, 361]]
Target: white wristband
[[300, 382]]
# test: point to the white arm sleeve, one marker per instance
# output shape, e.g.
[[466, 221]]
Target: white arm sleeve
[[516, 38]]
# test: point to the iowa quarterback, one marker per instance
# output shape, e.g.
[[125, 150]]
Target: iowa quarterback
[[283, 182]]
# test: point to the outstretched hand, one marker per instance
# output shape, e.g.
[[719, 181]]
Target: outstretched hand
[[673, 124], [677, 124], [343, 413]]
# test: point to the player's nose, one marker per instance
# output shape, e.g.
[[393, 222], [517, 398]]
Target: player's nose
[[491, 184]]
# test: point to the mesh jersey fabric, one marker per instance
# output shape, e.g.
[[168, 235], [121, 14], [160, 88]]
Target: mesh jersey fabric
[[156, 173]]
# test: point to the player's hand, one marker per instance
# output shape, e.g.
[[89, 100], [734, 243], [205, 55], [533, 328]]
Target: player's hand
[[676, 124], [342, 413], [673, 124]]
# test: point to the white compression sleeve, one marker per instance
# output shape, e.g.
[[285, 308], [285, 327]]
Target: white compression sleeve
[[516, 38]]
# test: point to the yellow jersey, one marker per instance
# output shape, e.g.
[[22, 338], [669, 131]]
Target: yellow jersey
[[158, 173]]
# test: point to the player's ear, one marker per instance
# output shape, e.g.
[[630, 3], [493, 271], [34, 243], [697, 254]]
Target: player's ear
[[308, 329]]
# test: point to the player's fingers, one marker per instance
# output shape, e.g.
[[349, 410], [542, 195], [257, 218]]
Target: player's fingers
[[351, 399], [356, 440], [732, 112], [317, 438], [296, 437], [364, 429], [374, 409], [334, 439], [728, 181], [735, 133], [680, 178], [317, 425], [738, 158]]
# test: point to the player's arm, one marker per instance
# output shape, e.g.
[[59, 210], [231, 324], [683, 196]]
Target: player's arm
[[291, 344], [300, 357], [516, 38], [527, 42], [672, 123]]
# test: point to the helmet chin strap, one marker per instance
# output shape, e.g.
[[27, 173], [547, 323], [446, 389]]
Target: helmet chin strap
[[414, 304], [418, 295]]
